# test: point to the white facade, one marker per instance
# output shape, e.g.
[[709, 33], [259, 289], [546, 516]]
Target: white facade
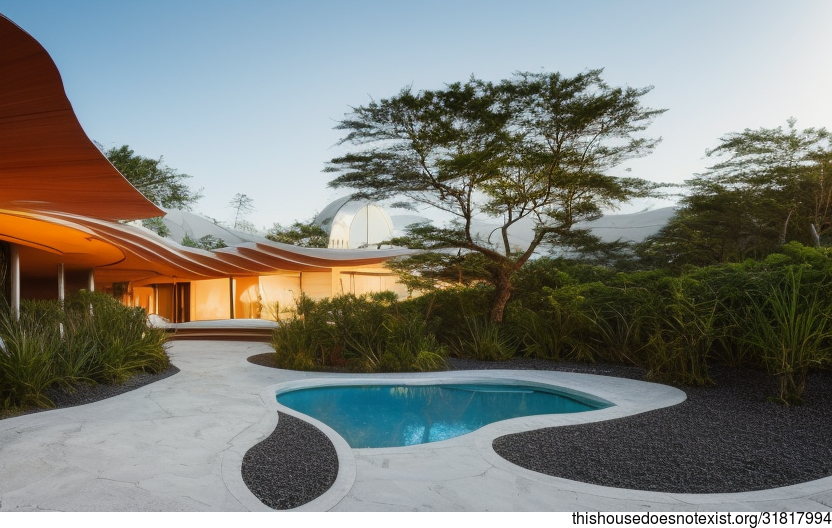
[[355, 224]]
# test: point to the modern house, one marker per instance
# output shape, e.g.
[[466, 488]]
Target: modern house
[[63, 208]]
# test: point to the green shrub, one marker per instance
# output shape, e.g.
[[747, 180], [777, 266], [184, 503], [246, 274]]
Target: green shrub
[[364, 334], [683, 331], [26, 360], [91, 338], [675, 323], [293, 344], [791, 330], [484, 341], [111, 340], [622, 321], [409, 346], [446, 311], [533, 333], [562, 330]]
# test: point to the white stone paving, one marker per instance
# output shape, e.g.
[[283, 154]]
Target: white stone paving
[[178, 445]]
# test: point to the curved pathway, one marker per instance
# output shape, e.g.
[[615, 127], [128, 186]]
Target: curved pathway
[[178, 445]]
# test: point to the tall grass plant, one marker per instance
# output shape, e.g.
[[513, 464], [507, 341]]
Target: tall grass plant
[[91, 338], [791, 329]]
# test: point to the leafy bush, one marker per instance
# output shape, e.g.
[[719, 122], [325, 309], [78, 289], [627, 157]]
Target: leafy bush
[[372, 333], [409, 346], [446, 311], [681, 335], [534, 334], [673, 322], [294, 345], [792, 331], [561, 330], [26, 360], [114, 339], [484, 341], [92, 338]]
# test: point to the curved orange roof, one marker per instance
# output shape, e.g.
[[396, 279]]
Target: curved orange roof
[[75, 244], [151, 258], [47, 162]]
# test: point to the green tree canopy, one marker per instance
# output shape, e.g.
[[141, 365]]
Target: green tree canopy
[[771, 186], [159, 183], [538, 146], [207, 242], [303, 234]]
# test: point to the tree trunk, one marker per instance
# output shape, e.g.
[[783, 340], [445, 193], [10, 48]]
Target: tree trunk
[[503, 286], [815, 235], [785, 228]]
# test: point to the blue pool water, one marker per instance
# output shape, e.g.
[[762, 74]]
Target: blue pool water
[[401, 415]]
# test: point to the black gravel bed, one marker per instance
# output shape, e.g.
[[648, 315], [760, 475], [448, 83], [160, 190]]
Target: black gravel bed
[[264, 360], [294, 465], [83, 394], [269, 360], [724, 438]]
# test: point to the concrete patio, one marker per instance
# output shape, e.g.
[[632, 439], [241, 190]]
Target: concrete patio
[[178, 445]]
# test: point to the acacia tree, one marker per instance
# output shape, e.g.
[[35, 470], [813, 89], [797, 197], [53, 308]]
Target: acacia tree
[[770, 186], [537, 146]]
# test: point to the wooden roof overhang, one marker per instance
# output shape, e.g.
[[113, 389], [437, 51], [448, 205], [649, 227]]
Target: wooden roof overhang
[[47, 162], [149, 256], [46, 242], [122, 252]]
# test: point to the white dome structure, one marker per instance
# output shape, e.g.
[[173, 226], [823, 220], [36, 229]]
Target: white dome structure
[[353, 224]]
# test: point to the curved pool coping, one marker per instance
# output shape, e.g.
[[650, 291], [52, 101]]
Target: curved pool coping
[[628, 397]]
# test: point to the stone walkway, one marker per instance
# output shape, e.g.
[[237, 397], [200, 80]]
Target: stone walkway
[[178, 445]]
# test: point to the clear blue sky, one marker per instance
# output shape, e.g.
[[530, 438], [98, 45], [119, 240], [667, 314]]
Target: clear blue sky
[[244, 95]]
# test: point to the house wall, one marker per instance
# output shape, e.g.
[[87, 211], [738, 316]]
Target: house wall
[[316, 285], [210, 299], [278, 293], [46, 287], [356, 280], [143, 298], [247, 298]]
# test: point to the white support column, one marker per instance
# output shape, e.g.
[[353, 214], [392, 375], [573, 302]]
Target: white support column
[[15, 280], [91, 280], [61, 292], [61, 283]]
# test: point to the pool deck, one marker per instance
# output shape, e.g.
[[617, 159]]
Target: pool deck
[[178, 445]]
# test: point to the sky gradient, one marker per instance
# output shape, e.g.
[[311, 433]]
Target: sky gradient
[[244, 95]]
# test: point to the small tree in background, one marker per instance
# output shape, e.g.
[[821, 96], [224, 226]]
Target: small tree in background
[[242, 205], [303, 234], [208, 242]]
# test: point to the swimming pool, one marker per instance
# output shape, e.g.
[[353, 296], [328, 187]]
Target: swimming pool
[[395, 415]]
